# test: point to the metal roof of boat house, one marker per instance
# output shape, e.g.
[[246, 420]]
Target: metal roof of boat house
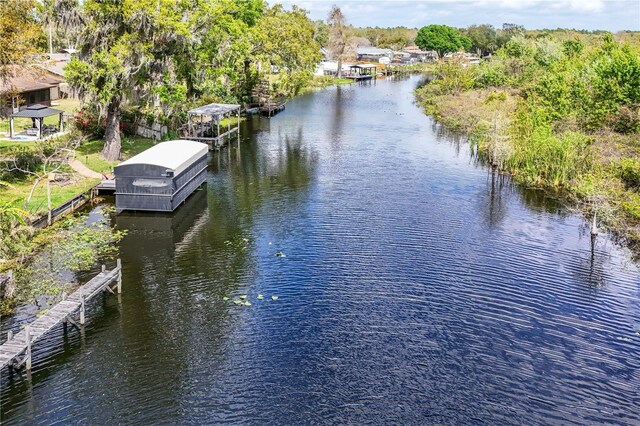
[[174, 155], [214, 109]]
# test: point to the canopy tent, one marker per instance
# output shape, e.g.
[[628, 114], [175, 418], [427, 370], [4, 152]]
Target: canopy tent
[[37, 113]]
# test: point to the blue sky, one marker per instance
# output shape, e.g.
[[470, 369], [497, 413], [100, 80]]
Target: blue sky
[[611, 15]]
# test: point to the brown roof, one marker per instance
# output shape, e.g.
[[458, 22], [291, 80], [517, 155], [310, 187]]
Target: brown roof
[[30, 79]]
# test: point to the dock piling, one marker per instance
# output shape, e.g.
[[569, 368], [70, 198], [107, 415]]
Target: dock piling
[[27, 333], [119, 282], [84, 298]]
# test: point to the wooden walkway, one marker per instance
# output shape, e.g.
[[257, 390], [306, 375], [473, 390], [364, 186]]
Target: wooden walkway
[[17, 350]]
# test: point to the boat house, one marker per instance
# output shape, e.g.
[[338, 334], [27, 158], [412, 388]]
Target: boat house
[[162, 177], [204, 124]]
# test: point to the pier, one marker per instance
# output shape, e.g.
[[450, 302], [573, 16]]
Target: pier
[[17, 351]]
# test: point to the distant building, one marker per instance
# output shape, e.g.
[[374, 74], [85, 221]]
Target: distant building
[[331, 68], [421, 55], [368, 53], [29, 87], [462, 58]]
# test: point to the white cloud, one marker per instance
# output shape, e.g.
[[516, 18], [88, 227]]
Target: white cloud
[[612, 15]]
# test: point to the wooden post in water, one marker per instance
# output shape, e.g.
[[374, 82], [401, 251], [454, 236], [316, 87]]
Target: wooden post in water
[[84, 298], [27, 334], [119, 266]]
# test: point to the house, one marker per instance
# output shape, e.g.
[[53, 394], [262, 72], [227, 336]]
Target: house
[[421, 55], [331, 68], [462, 58], [368, 53], [29, 87]]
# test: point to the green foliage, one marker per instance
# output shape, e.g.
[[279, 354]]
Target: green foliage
[[483, 38], [518, 47], [545, 157], [572, 48], [22, 160], [20, 35], [616, 80], [394, 38], [321, 33], [630, 172], [75, 246], [490, 74], [626, 120], [442, 38]]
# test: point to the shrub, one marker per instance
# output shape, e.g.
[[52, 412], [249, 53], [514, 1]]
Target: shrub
[[490, 74], [626, 120], [630, 172], [24, 159]]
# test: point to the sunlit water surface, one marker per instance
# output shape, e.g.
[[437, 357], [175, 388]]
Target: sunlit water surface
[[415, 288]]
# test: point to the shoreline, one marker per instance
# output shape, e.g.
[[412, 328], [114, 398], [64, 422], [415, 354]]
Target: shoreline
[[469, 113]]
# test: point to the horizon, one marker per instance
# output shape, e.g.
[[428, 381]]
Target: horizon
[[589, 15]]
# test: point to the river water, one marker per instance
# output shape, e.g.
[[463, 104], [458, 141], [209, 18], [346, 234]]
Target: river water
[[413, 287]]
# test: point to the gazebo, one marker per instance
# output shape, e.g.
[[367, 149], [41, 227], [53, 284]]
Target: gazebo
[[37, 113]]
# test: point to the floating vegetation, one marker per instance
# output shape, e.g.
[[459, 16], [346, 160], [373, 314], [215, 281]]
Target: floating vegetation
[[238, 243], [242, 299]]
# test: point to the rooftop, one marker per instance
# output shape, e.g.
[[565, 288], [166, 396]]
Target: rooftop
[[369, 50], [37, 111], [214, 109], [29, 79], [172, 155]]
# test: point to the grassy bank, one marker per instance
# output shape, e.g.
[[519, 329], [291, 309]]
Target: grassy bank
[[89, 153], [557, 115]]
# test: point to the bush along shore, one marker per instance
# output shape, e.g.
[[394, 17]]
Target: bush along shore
[[559, 112]]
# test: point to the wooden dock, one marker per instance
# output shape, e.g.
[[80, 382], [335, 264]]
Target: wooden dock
[[16, 351], [271, 108]]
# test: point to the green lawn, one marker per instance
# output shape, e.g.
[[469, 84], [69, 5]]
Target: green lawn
[[89, 153], [19, 191]]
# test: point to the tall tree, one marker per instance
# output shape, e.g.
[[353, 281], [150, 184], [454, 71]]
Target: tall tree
[[442, 38], [20, 36], [483, 37], [338, 35], [125, 48], [285, 40]]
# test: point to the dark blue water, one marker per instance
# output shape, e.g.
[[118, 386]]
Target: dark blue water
[[415, 288]]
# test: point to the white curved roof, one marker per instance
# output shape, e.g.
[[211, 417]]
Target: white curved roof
[[173, 155]]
